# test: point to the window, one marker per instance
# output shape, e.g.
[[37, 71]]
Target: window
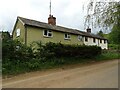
[[18, 32], [67, 36], [80, 38], [105, 41], [47, 33], [94, 40], [100, 41], [86, 39]]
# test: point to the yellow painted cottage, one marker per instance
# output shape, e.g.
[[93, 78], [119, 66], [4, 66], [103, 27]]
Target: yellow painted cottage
[[27, 31]]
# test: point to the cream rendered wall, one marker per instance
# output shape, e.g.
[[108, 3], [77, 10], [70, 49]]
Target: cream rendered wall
[[19, 25], [36, 34]]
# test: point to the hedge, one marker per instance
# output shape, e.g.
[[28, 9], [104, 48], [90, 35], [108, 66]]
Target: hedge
[[57, 50]]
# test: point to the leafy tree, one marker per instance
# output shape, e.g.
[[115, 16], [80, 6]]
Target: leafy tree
[[114, 36], [5, 35], [100, 33], [14, 50], [106, 15], [103, 14]]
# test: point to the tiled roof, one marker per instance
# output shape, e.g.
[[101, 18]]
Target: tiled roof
[[35, 23]]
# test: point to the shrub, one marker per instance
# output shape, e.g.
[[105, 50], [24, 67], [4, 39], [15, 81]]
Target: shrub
[[15, 50], [57, 50]]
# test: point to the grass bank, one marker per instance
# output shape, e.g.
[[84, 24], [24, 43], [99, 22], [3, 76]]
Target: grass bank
[[15, 68]]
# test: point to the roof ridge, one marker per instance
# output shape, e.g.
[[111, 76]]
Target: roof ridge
[[36, 23]]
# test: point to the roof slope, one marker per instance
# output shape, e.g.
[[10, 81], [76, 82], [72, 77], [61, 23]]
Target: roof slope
[[35, 23]]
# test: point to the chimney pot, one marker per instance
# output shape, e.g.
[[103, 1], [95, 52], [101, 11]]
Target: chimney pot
[[51, 20], [88, 30]]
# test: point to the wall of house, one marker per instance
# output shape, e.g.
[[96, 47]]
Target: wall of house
[[97, 42], [90, 41], [103, 45], [20, 26], [36, 34]]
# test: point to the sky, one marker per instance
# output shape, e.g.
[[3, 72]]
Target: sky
[[68, 13]]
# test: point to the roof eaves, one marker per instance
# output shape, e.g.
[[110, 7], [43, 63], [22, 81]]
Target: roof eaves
[[19, 18]]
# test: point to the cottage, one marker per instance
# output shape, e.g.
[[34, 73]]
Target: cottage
[[27, 31]]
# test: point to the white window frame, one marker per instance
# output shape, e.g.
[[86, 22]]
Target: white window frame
[[48, 32], [18, 32], [80, 38], [68, 36]]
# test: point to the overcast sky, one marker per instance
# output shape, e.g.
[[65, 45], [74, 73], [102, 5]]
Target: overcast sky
[[69, 13]]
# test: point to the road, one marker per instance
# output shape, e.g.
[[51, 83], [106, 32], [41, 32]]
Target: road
[[96, 75]]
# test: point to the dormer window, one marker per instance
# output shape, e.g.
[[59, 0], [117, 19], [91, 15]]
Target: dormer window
[[18, 32], [47, 33], [67, 36]]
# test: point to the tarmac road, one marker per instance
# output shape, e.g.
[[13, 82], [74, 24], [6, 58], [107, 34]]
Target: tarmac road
[[96, 75]]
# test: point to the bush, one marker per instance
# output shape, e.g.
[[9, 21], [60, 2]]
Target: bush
[[57, 50], [114, 47], [14, 50], [18, 58]]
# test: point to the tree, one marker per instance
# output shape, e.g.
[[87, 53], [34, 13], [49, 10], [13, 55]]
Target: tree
[[100, 33], [114, 36], [5, 35], [106, 15], [103, 14]]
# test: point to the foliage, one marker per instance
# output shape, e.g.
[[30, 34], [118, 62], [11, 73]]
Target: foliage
[[50, 50], [24, 59], [114, 47], [15, 50], [6, 35], [102, 13], [108, 55], [100, 33], [114, 36]]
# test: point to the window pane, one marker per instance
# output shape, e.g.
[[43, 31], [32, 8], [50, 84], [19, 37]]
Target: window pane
[[93, 39], [65, 35], [68, 36], [50, 31], [49, 34], [86, 38], [45, 32], [105, 41], [18, 32], [80, 38]]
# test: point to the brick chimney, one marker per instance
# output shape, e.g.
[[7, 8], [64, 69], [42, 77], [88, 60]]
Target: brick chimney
[[88, 30], [51, 20]]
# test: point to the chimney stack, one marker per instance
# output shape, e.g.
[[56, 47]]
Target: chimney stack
[[88, 30], [51, 20]]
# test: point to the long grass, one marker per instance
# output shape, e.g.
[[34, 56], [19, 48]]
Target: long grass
[[108, 56]]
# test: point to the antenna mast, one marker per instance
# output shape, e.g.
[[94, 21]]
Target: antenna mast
[[50, 7]]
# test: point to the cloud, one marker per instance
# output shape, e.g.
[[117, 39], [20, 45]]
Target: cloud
[[68, 12]]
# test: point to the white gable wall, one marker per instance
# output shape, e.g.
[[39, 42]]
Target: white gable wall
[[90, 41], [103, 45], [97, 42]]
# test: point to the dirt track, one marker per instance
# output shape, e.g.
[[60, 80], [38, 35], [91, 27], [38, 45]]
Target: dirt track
[[97, 75]]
